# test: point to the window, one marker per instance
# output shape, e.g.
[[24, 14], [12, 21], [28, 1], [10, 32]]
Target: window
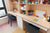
[[2, 8]]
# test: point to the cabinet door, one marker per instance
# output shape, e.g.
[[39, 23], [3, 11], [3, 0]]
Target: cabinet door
[[42, 31], [20, 22]]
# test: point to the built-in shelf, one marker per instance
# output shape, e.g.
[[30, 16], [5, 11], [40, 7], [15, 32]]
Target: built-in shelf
[[30, 5]]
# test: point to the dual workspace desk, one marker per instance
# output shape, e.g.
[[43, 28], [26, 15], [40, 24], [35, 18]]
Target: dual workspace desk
[[40, 23]]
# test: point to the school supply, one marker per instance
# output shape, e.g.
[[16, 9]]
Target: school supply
[[40, 13], [35, 19], [30, 12]]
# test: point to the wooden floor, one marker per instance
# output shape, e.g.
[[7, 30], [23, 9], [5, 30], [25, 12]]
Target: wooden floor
[[19, 31]]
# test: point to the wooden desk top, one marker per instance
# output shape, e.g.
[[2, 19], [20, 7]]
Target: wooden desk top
[[40, 21]]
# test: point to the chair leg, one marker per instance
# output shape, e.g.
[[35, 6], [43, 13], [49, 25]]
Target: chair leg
[[11, 23], [8, 21], [25, 32]]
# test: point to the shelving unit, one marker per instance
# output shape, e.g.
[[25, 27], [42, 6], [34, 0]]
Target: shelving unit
[[23, 6], [11, 4], [14, 5], [28, 8]]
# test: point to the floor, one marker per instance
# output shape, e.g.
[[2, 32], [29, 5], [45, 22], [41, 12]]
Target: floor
[[6, 28], [19, 31]]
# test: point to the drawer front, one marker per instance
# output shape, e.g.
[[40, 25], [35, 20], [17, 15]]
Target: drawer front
[[42, 31]]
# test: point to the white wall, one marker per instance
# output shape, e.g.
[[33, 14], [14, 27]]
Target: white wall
[[3, 20], [7, 5]]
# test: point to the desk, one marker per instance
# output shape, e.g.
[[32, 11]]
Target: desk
[[12, 13], [40, 23]]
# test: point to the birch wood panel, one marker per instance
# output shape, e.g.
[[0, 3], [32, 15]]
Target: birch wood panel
[[41, 7]]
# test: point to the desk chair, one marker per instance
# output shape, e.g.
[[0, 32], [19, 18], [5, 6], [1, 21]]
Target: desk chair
[[11, 18], [30, 28]]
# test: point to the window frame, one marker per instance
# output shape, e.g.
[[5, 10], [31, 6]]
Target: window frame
[[1, 8]]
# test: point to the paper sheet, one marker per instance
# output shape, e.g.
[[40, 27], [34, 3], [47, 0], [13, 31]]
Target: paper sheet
[[40, 13]]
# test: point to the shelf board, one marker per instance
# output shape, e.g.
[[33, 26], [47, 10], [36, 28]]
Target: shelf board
[[41, 4], [15, 2], [23, 9], [22, 13], [23, 4]]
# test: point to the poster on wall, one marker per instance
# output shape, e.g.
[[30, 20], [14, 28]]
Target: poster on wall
[[1, 4]]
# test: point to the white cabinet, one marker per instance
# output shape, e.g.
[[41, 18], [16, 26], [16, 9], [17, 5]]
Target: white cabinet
[[20, 22]]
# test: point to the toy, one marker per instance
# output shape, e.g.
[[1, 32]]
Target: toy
[[37, 16], [48, 1], [34, 15], [30, 12], [35, 19], [45, 2], [48, 18], [15, 9], [23, 12], [29, 2], [41, 1], [44, 18], [15, 1], [32, 2], [36, 2], [23, 7], [24, 1]]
